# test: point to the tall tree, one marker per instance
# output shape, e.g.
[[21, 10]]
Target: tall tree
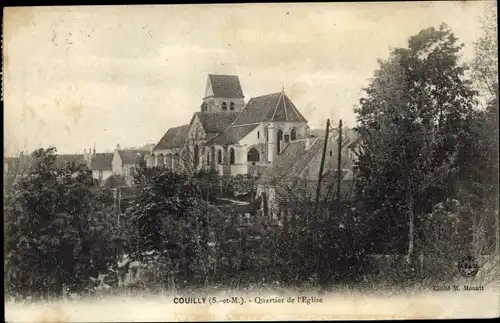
[[56, 228], [484, 152], [410, 121]]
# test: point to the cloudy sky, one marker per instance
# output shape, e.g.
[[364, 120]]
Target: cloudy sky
[[79, 76]]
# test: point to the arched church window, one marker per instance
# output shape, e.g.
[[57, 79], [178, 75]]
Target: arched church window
[[293, 135], [231, 106], [231, 156], [279, 139], [208, 158], [224, 105], [196, 155], [219, 156], [253, 155]]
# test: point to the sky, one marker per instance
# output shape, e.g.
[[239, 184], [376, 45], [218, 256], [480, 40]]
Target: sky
[[75, 77]]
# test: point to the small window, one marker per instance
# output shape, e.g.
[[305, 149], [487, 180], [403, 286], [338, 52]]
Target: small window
[[258, 134], [224, 105], [293, 135], [331, 153], [231, 106]]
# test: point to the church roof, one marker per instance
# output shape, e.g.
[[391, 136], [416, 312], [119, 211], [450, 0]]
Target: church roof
[[233, 134], [130, 156], [174, 138], [102, 161], [271, 107], [216, 122], [225, 86]]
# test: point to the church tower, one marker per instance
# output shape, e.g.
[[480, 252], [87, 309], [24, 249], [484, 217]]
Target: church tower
[[223, 93]]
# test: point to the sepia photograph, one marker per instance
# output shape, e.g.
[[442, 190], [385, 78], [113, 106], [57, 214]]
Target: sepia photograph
[[270, 161]]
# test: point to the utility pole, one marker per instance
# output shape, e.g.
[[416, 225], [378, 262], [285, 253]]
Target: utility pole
[[119, 204], [321, 165], [339, 162]]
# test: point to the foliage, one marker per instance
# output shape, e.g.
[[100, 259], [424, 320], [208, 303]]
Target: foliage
[[165, 225], [485, 62], [115, 181], [56, 227], [412, 122]]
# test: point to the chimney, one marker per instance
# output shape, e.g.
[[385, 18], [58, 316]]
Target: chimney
[[310, 141]]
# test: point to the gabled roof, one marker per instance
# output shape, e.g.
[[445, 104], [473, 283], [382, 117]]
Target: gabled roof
[[271, 107], [130, 156], [291, 161], [102, 161], [225, 86], [294, 159], [233, 134], [174, 138], [216, 122]]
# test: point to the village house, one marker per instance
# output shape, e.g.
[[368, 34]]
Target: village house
[[102, 166], [230, 136], [125, 161], [293, 177]]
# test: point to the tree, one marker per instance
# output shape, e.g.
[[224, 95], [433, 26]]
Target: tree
[[485, 62], [56, 232], [168, 220], [194, 150], [483, 146], [411, 121]]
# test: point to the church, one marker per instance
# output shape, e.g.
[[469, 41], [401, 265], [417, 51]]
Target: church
[[229, 135]]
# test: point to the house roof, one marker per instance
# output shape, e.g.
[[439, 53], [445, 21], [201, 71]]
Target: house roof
[[63, 159], [130, 156], [233, 134], [291, 161], [271, 107], [102, 161], [225, 86], [354, 143], [173, 138], [216, 122], [294, 159]]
